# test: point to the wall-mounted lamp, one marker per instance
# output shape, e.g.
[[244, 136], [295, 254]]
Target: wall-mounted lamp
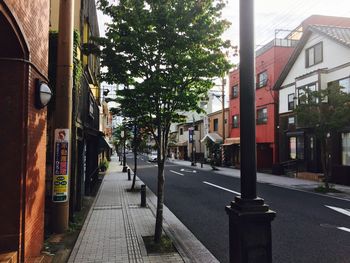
[[43, 94]]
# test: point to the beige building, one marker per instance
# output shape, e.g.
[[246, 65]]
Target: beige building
[[216, 129]]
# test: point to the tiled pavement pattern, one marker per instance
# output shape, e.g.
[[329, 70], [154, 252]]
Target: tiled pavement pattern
[[116, 223]]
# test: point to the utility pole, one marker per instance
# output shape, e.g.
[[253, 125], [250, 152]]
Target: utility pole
[[249, 217], [223, 107], [63, 118], [193, 141], [223, 118]]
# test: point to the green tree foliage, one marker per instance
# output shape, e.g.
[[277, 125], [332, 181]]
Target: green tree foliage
[[164, 52], [326, 112]]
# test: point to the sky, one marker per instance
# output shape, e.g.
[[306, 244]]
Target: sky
[[281, 14], [271, 15], [274, 14]]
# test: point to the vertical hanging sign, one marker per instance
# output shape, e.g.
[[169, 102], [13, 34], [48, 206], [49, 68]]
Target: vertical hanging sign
[[60, 170]]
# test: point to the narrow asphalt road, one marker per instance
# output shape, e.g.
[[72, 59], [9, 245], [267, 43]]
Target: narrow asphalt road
[[308, 228]]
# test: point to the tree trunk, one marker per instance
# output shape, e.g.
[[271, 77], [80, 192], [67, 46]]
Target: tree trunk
[[135, 160], [160, 201], [324, 160], [135, 171]]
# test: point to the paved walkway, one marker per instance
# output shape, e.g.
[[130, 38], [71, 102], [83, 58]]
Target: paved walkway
[[116, 223]]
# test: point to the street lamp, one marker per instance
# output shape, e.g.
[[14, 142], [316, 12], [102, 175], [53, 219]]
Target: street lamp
[[249, 217]]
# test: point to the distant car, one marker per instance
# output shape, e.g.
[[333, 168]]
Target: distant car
[[152, 157]]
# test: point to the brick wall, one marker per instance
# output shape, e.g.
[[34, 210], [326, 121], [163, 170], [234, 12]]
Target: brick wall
[[32, 22]]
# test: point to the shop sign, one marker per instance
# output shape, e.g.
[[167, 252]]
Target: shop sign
[[60, 170]]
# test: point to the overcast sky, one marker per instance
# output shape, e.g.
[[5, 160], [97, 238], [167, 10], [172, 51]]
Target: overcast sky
[[281, 14], [274, 14]]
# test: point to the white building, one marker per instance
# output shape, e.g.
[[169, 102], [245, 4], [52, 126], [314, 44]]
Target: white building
[[321, 57]]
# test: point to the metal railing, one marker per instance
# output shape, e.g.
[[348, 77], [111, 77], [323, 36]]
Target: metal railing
[[290, 168]]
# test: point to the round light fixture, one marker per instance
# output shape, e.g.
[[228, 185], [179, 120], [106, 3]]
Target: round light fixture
[[43, 94]]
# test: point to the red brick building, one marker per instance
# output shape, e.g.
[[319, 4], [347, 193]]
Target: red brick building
[[24, 29], [270, 60]]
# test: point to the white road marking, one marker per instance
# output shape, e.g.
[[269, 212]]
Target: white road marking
[[340, 210], [188, 171], [344, 229], [222, 188], [176, 173]]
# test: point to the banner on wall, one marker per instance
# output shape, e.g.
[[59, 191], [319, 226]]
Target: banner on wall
[[60, 168]]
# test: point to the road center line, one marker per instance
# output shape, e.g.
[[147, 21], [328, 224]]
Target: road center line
[[222, 188], [344, 229], [176, 172]]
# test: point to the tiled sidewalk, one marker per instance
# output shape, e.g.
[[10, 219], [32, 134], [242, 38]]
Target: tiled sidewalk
[[116, 223]]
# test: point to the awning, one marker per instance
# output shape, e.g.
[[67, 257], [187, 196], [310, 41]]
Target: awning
[[231, 141], [295, 133], [181, 143], [212, 136], [103, 144]]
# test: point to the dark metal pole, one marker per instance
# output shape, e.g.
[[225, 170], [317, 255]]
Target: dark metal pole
[[247, 98], [193, 163], [124, 157], [249, 218]]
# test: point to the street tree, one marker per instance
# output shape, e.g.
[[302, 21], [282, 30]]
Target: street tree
[[164, 52], [325, 112], [128, 98]]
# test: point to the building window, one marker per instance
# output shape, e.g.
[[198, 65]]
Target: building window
[[262, 79], [235, 120], [196, 127], [343, 83], [291, 101], [345, 141], [296, 147], [302, 91], [234, 92], [313, 55], [216, 124], [262, 116], [293, 148], [312, 148], [181, 131], [291, 120]]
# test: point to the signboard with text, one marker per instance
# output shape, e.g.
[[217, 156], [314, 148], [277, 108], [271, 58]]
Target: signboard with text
[[60, 168]]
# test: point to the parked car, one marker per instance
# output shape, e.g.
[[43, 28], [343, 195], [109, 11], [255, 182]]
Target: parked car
[[152, 157]]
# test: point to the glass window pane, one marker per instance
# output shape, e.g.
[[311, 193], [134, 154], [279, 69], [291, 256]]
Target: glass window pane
[[300, 147], [292, 147], [346, 148], [311, 57], [291, 120], [345, 85], [318, 53]]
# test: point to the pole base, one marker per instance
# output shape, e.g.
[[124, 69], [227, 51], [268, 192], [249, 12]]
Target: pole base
[[250, 231], [125, 169]]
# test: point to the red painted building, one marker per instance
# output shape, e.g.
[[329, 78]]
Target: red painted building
[[270, 60]]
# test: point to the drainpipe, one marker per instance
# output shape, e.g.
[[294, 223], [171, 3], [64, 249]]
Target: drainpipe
[[63, 110]]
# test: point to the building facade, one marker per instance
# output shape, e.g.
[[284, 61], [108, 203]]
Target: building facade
[[86, 138], [270, 60], [322, 57], [23, 65], [215, 129]]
